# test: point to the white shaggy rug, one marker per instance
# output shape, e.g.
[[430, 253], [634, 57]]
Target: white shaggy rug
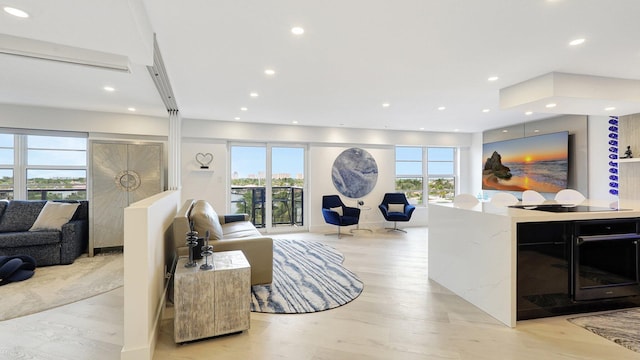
[[53, 286]]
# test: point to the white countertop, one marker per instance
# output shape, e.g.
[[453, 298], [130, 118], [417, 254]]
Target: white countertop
[[629, 209], [473, 249]]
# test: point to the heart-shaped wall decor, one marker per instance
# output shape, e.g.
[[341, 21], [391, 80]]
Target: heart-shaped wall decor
[[204, 160]]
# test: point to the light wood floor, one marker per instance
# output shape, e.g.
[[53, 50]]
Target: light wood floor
[[401, 314]]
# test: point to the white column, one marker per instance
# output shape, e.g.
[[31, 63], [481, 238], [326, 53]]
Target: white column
[[175, 131]]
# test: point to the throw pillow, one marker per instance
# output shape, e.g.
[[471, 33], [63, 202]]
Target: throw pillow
[[337, 209], [20, 215], [53, 215], [205, 218], [396, 208]]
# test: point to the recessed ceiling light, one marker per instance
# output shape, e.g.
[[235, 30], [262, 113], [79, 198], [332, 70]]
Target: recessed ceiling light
[[441, 108], [297, 30], [236, 118], [536, 130], [294, 122], [528, 113], [456, 130], [109, 88], [577, 42], [243, 109], [610, 108], [486, 110], [385, 105], [131, 109], [270, 72], [550, 105], [421, 128], [505, 131], [253, 94], [493, 78], [16, 12]]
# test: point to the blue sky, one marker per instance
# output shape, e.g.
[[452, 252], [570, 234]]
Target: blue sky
[[45, 151], [247, 160]]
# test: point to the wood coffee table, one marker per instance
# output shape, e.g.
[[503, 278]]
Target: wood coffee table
[[212, 302]]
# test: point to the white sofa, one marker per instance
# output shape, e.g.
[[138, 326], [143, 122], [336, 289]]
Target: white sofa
[[227, 232]]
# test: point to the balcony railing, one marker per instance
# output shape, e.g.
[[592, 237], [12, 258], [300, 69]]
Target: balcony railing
[[286, 204], [48, 194]]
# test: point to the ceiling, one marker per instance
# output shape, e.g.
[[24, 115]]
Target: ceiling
[[355, 55]]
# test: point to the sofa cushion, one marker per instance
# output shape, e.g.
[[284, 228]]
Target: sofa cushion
[[20, 215], [53, 215], [239, 229], [23, 239], [205, 218]]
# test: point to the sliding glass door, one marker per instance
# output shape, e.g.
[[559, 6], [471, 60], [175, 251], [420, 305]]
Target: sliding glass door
[[267, 182]]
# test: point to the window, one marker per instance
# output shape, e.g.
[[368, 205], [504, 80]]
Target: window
[[6, 166], [47, 167], [441, 173], [56, 167], [409, 173]]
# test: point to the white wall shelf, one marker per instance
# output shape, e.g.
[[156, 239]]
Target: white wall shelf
[[629, 160], [202, 170]]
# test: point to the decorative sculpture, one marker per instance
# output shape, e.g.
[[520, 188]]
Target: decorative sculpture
[[192, 241], [204, 160], [207, 251], [627, 154], [613, 155]]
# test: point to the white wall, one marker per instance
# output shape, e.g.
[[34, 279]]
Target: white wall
[[147, 230], [211, 184], [44, 118], [324, 145], [321, 159]]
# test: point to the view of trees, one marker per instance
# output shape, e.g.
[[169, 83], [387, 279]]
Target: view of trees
[[412, 187], [286, 200], [47, 188], [441, 189]]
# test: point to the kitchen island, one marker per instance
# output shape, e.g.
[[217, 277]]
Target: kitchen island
[[473, 249]]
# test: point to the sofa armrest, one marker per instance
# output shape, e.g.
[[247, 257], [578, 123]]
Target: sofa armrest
[[257, 250], [224, 219], [74, 238]]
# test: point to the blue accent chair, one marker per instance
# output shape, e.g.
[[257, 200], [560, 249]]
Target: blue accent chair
[[395, 207], [336, 213]]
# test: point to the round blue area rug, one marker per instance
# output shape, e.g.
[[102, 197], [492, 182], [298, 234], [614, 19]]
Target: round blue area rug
[[308, 276]]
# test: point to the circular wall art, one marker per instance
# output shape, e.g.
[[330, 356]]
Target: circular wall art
[[354, 173]]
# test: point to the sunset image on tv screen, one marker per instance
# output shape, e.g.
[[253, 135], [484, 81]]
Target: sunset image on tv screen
[[533, 163]]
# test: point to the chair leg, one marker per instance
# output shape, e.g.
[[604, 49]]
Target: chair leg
[[395, 228], [340, 234]]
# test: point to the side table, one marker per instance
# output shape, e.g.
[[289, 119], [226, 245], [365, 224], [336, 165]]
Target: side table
[[362, 208], [212, 302]]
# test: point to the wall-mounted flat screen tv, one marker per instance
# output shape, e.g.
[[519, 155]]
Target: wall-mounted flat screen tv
[[532, 163]]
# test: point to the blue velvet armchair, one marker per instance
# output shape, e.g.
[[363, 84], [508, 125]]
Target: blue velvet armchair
[[336, 213], [395, 207]]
